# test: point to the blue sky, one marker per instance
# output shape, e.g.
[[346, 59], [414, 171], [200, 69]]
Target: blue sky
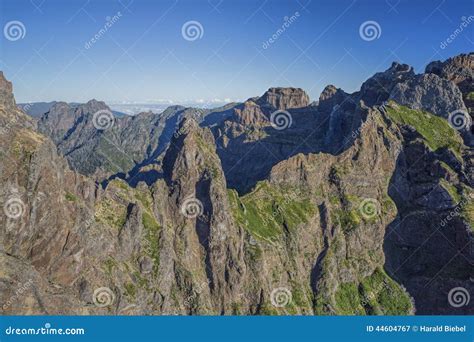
[[143, 55]]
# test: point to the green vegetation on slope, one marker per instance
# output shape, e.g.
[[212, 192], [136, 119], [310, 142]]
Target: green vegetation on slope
[[115, 159], [348, 213], [267, 210], [467, 206], [468, 214], [110, 212], [376, 294], [348, 300], [143, 198], [347, 219], [435, 130], [70, 197], [451, 189], [151, 246]]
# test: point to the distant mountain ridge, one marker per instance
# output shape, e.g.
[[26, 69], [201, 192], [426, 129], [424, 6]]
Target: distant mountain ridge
[[38, 109], [337, 114], [129, 142]]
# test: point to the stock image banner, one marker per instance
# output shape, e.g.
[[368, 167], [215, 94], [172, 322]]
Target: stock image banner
[[237, 170]]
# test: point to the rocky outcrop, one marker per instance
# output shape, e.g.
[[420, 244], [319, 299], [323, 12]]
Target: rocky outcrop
[[342, 187], [7, 100], [428, 248], [429, 92], [250, 114], [209, 257], [458, 69], [284, 98], [331, 97], [378, 88], [40, 237], [250, 135]]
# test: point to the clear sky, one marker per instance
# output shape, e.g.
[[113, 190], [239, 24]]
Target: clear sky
[[144, 55]]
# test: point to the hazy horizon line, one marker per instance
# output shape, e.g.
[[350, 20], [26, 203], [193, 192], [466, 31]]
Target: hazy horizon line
[[231, 100]]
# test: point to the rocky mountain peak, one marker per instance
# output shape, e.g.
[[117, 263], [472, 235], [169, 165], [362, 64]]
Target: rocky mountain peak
[[460, 71], [188, 125], [462, 62], [429, 92], [188, 152], [6, 92], [93, 106], [284, 98], [65, 111], [10, 114], [330, 97], [328, 91], [399, 68], [249, 113], [377, 88]]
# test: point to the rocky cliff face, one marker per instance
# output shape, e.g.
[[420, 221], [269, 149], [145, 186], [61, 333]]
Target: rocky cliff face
[[6, 93], [284, 98], [377, 89], [431, 93], [256, 137], [427, 186], [39, 235], [460, 71], [357, 205]]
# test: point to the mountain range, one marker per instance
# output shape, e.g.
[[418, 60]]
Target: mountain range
[[353, 204]]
